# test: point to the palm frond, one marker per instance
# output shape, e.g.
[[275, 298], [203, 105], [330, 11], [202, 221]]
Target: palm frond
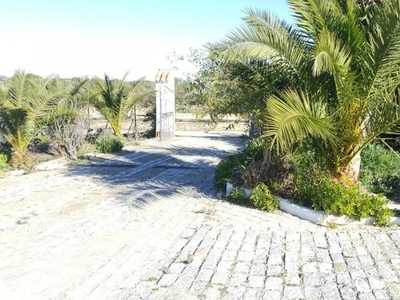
[[114, 99], [331, 55], [292, 116], [310, 15], [77, 87], [18, 89], [384, 43], [265, 37], [384, 117]]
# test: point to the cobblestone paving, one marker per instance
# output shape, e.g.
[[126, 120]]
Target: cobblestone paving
[[147, 224]]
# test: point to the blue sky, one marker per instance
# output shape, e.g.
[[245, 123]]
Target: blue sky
[[87, 37]]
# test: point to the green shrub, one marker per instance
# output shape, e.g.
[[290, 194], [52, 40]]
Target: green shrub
[[254, 151], [335, 198], [86, 148], [4, 159], [255, 164], [108, 144], [262, 198], [227, 169], [380, 169], [236, 196], [309, 161]]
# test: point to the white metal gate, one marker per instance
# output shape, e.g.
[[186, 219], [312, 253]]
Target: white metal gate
[[165, 105]]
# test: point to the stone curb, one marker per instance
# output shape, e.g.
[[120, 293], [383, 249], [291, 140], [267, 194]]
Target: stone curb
[[316, 217]]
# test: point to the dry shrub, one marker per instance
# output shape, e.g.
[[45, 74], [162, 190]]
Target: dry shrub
[[273, 170], [69, 135]]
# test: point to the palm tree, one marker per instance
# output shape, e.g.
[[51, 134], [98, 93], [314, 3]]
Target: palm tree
[[28, 104], [115, 99], [25, 106], [343, 59]]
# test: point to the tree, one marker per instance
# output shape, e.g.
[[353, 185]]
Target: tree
[[343, 57], [115, 98], [24, 110], [239, 87]]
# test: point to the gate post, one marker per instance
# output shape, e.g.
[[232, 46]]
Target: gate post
[[165, 105]]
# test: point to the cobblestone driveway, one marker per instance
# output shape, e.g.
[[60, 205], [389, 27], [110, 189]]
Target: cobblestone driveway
[[148, 224]]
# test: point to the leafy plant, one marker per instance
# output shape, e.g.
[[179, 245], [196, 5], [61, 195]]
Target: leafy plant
[[380, 169], [108, 144], [262, 198], [253, 151], [86, 148], [236, 196], [255, 164], [225, 170], [4, 158], [335, 198]]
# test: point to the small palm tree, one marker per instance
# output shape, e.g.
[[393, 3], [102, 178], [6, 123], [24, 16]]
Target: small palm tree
[[343, 60], [115, 99], [25, 105]]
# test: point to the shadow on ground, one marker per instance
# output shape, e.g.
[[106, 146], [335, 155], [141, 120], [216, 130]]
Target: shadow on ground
[[161, 171]]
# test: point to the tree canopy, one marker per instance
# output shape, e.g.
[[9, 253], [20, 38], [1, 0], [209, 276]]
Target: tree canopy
[[341, 59]]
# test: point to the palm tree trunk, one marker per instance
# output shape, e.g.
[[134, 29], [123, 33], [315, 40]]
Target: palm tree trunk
[[20, 159], [352, 170], [349, 174]]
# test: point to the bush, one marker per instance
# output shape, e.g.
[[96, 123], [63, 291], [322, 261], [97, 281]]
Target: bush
[[4, 159], [255, 164], [380, 169], [236, 196], [309, 161], [85, 149], [253, 151], [225, 170], [228, 169], [108, 144], [262, 198], [335, 198], [70, 132]]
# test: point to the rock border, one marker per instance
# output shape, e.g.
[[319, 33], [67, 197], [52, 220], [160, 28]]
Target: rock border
[[305, 213]]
